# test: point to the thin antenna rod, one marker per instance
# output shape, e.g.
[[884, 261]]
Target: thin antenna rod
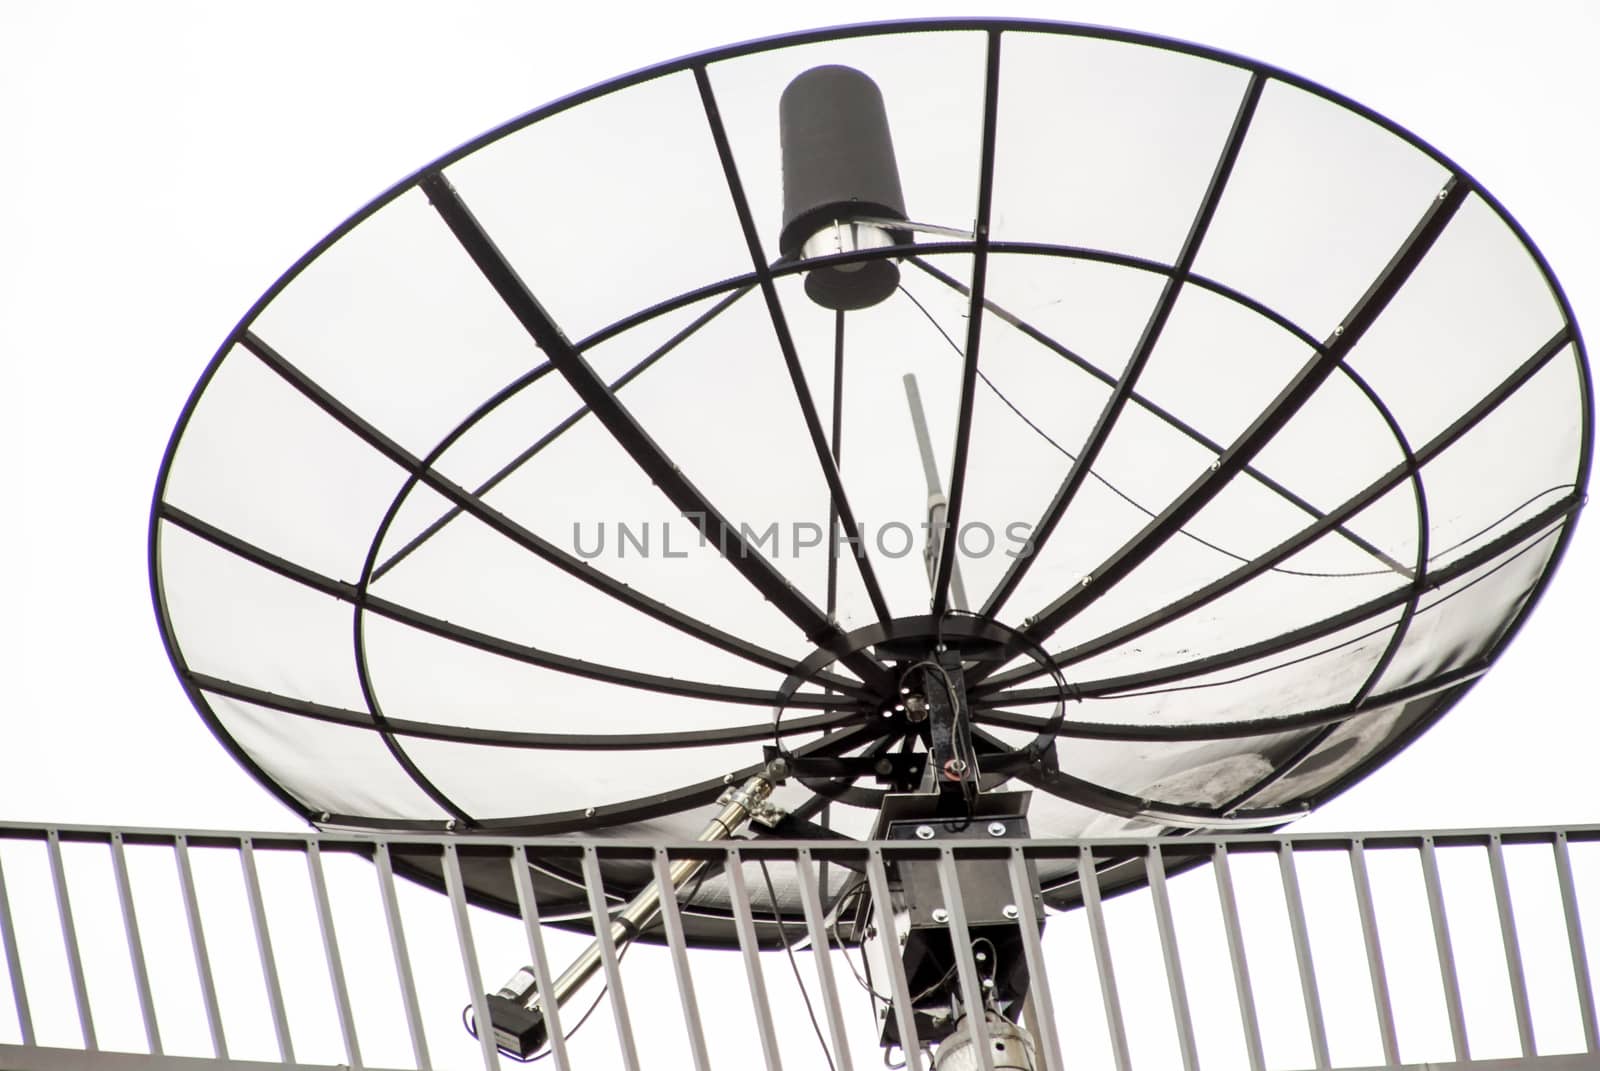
[[938, 505], [837, 444]]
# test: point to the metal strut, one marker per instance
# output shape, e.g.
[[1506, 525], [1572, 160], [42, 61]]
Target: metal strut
[[517, 1010]]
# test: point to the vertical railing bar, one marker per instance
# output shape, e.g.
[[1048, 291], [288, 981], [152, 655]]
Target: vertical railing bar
[[1375, 967], [269, 962], [1580, 963], [1229, 903], [455, 889], [1447, 959], [883, 910], [330, 949], [677, 946], [1156, 871], [1302, 955], [750, 948], [69, 936], [810, 882], [130, 928], [528, 904], [1040, 1005], [197, 941], [19, 988], [1513, 949], [1089, 882], [601, 918], [402, 956], [961, 948]]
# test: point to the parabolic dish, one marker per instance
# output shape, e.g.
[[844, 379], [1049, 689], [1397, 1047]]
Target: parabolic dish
[[505, 510]]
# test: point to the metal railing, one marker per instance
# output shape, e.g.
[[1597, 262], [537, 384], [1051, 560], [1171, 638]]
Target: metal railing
[[137, 949]]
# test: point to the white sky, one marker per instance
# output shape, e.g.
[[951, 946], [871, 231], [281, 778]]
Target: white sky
[[163, 163]]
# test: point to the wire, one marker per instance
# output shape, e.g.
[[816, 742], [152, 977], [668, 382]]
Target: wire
[[1113, 488], [852, 892], [472, 1028], [777, 919], [969, 788]]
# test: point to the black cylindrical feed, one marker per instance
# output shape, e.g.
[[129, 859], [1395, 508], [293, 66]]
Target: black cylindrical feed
[[838, 167]]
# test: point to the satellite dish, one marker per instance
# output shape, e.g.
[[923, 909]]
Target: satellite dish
[[1257, 425]]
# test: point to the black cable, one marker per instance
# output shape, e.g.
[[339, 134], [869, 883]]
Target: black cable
[[853, 891], [472, 1027], [969, 788], [1113, 488], [777, 919]]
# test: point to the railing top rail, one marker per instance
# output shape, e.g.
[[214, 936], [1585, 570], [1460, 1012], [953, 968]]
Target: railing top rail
[[365, 840]]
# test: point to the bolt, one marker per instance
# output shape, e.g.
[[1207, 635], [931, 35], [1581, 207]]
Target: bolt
[[997, 829], [884, 767], [588, 812], [727, 779], [450, 825], [1010, 911], [939, 914], [924, 832]]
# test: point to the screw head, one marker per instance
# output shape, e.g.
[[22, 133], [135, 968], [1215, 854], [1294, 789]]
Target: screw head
[[588, 812], [997, 829], [939, 914], [924, 832], [1010, 911]]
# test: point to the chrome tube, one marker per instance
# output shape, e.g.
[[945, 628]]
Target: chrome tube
[[740, 804]]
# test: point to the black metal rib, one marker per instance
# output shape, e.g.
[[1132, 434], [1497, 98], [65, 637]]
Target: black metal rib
[[969, 372], [1110, 801], [1419, 585], [791, 357], [349, 593], [1111, 411], [460, 734], [641, 809], [1147, 679], [502, 524], [1234, 730], [1308, 535], [650, 458], [665, 803], [545, 440], [1397, 635], [1279, 412], [1166, 416]]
